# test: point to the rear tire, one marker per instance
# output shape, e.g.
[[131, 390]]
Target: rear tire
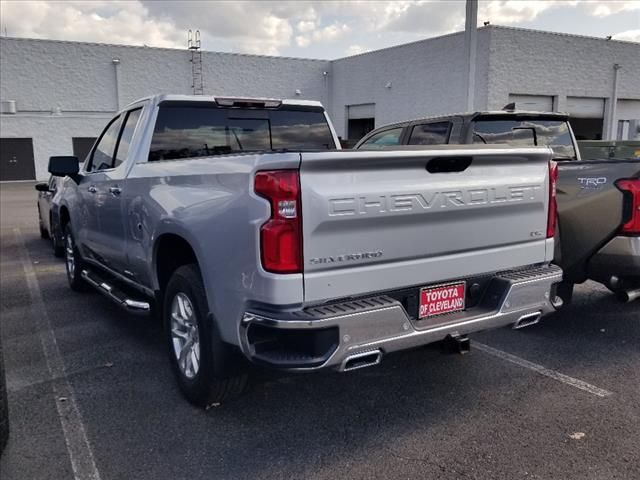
[[58, 250], [58, 247], [198, 356], [73, 262], [43, 231]]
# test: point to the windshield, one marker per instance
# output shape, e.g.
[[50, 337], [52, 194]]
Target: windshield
[[187, 131], [526, 132]]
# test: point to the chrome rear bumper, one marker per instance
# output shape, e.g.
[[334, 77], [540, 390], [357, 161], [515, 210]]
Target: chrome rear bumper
[[381, 324]]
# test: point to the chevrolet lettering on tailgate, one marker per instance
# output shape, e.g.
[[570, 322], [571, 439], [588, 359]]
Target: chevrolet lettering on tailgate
[[426, 201]]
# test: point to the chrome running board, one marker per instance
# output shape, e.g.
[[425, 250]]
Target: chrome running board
[[134, 306]]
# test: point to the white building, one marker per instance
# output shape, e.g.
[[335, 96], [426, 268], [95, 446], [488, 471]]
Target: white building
[[57, 96]]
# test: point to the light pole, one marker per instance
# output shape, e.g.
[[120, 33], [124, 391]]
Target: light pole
[[470, 42]]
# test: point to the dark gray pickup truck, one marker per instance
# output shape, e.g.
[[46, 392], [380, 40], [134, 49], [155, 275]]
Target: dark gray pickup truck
[[598, 200]]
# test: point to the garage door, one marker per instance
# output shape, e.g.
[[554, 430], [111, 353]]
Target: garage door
[[16, 159], [82, 146], [367, 110], [628, 110], [584, 107], [360, 121], [534, 103]]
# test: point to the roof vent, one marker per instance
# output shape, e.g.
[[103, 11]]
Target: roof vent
[[8, 107]]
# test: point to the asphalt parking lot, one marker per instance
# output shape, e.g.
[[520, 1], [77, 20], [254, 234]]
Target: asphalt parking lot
[[91, 395]]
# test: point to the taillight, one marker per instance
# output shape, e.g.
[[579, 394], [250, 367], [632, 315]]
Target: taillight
[[553, 202], [281, 235], [631, 189]]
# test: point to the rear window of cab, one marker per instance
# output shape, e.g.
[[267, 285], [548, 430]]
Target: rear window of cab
[[188, 131]]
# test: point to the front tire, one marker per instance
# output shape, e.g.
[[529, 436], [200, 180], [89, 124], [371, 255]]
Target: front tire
[[198, 355], [73, 262]]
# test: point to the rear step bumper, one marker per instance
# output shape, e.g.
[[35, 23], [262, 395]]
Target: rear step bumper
[[137, 307], [357, 333]]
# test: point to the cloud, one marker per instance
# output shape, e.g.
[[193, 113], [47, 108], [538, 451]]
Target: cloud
[[303, 41], [305, 26], [330, 33], [356, 49], [326, 28], [508, 12], [254, 27], [612, 7], [629, 35], [423, 17], [98, 21], [248, 27]]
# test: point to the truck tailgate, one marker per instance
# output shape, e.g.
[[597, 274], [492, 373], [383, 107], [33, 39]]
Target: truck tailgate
[[590, 209], [375, 221]]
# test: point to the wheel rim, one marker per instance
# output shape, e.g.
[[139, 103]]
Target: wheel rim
[[70, 257], [185, 336]]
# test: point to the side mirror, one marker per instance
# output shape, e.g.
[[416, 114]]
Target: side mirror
[[64, 166], [42, 187]]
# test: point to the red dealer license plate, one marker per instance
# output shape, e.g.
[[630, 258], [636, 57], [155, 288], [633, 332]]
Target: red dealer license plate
[[442, 299]]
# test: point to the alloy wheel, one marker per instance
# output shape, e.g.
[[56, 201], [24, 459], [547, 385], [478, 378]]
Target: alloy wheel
[[185, 336], [70, 256]]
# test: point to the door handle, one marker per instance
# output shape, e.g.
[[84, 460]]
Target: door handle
[[115, 190], [92, 189]]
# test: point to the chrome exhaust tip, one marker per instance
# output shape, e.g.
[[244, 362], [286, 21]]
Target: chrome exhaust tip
[[630, 295], [361, 360], [527, 320]]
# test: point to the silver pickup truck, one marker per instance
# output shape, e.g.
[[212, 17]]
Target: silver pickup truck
[[255, 238]]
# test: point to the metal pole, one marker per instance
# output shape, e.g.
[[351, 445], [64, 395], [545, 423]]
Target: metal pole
[[470, 43], [116, 67], [612, 129]]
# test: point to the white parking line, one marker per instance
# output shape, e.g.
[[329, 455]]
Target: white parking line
[[547, 372], [75, 436]]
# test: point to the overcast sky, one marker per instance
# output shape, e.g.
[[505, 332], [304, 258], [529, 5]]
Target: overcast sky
[[311, 29]]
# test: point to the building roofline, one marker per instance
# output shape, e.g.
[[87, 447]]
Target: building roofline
[[489, 27], [171, 49], [560, 34], [423, 40], [277, 57]]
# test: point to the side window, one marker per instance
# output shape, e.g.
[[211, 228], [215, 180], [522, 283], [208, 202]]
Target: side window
[[125, 137], [383, 139], [102, 156], [52, 184], [430, 134]]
